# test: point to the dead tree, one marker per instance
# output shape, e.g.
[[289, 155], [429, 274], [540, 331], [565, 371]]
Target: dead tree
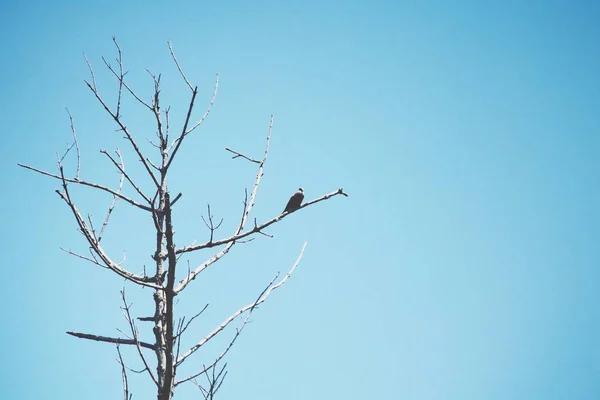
[[158, 204]]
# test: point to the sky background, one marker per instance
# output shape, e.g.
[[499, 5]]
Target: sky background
[[464, 265]]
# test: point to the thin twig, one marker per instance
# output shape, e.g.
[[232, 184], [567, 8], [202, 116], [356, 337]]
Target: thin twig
[[229, 346], [134, 332], [126, 395], [120, 61], [156, 112], [121, 80], [75, 142], [178, 66], [121, 77], [237, 154], [177, 142], [121, 167], [91, 71], [210, 224], [192, 319], [167, 126], [212, 102], [114, 200], [95, 261], [60, 159]]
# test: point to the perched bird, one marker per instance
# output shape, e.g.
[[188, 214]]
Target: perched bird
[[295, 201]]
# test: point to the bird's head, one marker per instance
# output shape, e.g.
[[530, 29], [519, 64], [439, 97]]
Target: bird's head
[[300, 190]]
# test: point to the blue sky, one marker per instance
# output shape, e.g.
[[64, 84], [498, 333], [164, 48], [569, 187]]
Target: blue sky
[[464, 264]]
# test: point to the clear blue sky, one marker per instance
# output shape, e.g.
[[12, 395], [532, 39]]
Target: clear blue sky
[[464, 265]]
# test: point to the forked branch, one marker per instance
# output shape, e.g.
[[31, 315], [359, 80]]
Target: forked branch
[[247, 208], [214, 381], [238, 332], [126, 394], [238, 154], [174, 147], [76, 143], [89, 184], [242, 310], [134, 332], [111, 207], [257, 228], [95, 244], [121, 169], [122, 127]]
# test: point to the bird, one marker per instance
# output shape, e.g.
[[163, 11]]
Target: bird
[[295, 201]]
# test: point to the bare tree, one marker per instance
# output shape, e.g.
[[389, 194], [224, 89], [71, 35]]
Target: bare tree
[[162, 369]]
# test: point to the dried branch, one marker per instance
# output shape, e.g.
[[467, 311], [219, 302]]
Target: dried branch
[[231, 342], [121, 167], [256, 229], [212, 102], [92, 260], [153, 144], [75, 142], [177, 339], [121, 77], [60, 159], [247, 208], [184, 327], [134, 332], [178, 66], [90, 184], [120, 61], [167, 124], [210, 224], [175, 199], [95, 244], [242, 310], [156, 112], [126, 395], [177, 142], [107, 339], [153, 165], [91, 71], [237, 154], [92, 230], [95, 261], [127, 134], [185, 131], [214, 383], [122, 127]]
